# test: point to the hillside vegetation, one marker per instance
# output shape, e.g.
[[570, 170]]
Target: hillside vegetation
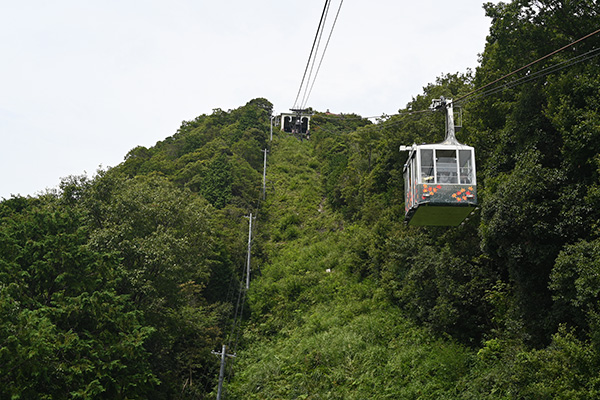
[[120, 285]]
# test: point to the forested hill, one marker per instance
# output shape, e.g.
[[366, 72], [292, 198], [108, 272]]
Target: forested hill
[[121, 285]]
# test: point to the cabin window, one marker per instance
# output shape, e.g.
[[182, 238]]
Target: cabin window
[[446, 166], [407, 188], [466, 167], [414, 172], [410, 173], [427, 173], [304, 124], [287, 124]]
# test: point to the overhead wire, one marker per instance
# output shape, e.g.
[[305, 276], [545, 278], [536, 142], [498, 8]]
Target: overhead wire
[[527, 65], [241, 294], [536, 75], [525, 79], [319, 28], [385, 118], [383, 124], [496, 89], [233, 338], [314, 59], [304, 101]]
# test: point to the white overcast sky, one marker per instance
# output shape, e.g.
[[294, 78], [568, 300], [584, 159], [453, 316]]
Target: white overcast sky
[[84, 81]]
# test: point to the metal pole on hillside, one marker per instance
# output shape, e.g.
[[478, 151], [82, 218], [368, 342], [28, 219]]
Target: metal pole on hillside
[[264, 181], [223, 354], [272, 116], [249, 250]]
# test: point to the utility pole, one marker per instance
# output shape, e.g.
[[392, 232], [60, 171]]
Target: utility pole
[[272, 116], [223, 354], [249, 250], [264, 181]]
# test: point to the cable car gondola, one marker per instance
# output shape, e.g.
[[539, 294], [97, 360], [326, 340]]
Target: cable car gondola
[[440, 185], [297, 122]]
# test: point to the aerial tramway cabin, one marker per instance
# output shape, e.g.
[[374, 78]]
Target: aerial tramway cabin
[[297, 122], [440, 185]]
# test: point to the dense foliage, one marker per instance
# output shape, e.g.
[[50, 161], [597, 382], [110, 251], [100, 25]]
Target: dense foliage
[[119, 286]]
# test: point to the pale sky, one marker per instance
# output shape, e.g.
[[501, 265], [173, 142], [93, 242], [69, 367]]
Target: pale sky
[[82, 82]]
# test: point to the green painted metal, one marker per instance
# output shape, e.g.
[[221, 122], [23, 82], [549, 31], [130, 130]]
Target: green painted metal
[[439, 215]]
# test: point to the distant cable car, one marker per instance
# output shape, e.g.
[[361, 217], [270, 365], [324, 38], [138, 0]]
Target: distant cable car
[[440, 185], [297, 122]]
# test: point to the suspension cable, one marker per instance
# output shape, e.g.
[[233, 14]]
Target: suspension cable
[[314, 59], [319, 28], [305, 99], [544, 72], [539, 74], [527, 66]]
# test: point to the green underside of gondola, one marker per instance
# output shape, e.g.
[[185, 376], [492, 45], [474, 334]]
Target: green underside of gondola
[[440, 215]]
